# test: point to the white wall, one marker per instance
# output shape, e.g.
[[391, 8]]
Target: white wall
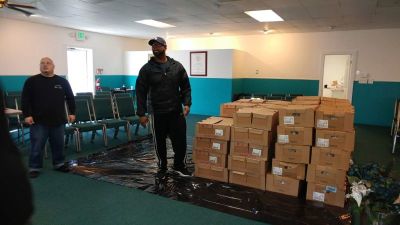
[[23, 44], [219, 62], [298, 55]]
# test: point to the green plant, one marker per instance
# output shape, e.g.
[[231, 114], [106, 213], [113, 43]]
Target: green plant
[[374, 195]]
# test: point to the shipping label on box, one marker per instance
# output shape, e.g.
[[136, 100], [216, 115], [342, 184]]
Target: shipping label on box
[[206, 157], [326, 175], [240, 134], [334, 119], [211, 145], [333, 157], [283, 185], [292, 170], [211, 172], [292, 153], [214, 127], [330, 195], [239, 148], [297, 115], [295, 135], [258, 151], [260, 137], [335, 139]]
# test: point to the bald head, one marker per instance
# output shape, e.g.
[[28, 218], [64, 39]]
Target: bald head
[[47, 67]]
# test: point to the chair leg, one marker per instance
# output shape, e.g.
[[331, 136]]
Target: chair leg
[[105, 136], [128, 131], [77, 141], [46, 155], [93, 135], [395, 135]]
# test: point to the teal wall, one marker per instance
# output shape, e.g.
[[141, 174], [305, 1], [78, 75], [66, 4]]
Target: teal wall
[[284, 86], [374, 103], [12, 83]]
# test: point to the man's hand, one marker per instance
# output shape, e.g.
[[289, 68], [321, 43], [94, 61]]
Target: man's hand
[[143, 120], [186, 110], [71, 118], [29, 120]]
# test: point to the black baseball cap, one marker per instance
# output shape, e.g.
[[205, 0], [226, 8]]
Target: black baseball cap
[[159, 40]]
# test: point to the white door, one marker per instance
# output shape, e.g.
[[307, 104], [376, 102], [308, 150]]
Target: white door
[[337, 80], [80, 69]]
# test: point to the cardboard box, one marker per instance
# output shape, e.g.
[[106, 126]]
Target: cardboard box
[[258, 151], [247, 179], [211, 172], [324, 193], [239, 148], [264, 119], [240, 134], [334, 119], [308, 98], [260, 137], [292, 170], [335, 139], [297, 116], [283, 185], [327, 175], [249, 150], [211, 145], [242, 117], [248, 165], [271, 106], [292, 153], [214, 159], [333, 157], [215, 127], [295, 135], [227, 110], [304, 103]]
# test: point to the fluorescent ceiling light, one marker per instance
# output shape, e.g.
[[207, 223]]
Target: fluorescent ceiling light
[[264, 15], [155, 23]]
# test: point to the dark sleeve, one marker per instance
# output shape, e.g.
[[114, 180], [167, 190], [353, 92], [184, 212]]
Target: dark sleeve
[[186, 90], [26, 102], [142, 88], [69, 97]]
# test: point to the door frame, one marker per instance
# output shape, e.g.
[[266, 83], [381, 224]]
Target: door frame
[[353, 67]]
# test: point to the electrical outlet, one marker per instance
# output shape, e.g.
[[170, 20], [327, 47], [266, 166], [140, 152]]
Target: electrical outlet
[[370, 81], [257, 71]]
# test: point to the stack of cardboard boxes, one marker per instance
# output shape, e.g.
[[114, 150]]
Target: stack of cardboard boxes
[[211, 148], [330, 157], [238, 149], [292, 150], [253, 134]]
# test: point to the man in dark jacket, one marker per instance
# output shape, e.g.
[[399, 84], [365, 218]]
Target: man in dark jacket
[[165, 83], [43, 106]]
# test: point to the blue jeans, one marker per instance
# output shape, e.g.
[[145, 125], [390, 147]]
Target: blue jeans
[[39, 134]]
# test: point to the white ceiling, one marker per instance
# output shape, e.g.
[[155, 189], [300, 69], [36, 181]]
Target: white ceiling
[[194, 18]]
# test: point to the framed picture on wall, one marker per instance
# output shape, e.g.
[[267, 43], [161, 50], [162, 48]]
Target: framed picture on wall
[[198, 63]]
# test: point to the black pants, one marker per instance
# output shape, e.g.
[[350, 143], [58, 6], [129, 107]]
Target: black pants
[[173, 125]]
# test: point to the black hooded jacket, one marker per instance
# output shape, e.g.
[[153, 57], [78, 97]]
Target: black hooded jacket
[[167, 85]]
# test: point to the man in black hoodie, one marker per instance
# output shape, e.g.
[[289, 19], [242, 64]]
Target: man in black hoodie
[[165, 83], [43, 105]]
